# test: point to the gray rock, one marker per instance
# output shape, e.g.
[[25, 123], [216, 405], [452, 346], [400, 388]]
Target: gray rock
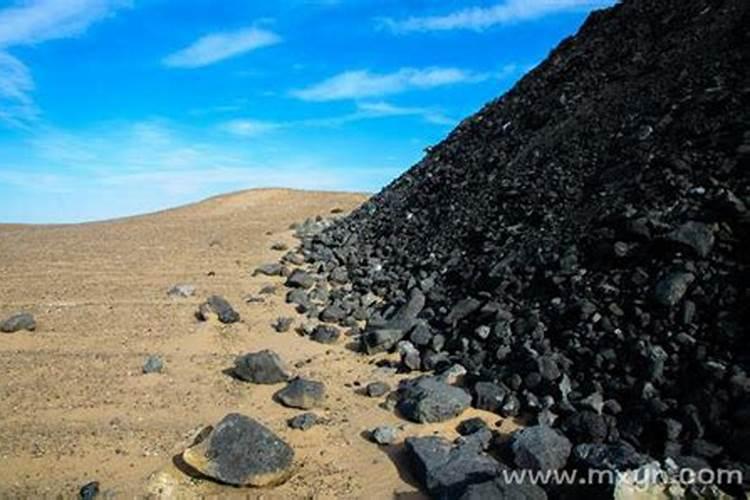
[[153, 364], [670, 289], [384, 434], [89, 491], [300, 279], [241, 451], [377, 389], [283, 324], [697, 236], [272, 269], [540, 448], [264, 367], [489, 396], [446, 470], [17, 322], [454, 375], [410, 356], [216, 305], [498, 489], [181, 290], [332, 314], [615, 457], [302, 393], [471, 425], [326, 334], [427, 400], [268, 290], [303, 421], [381, 340]]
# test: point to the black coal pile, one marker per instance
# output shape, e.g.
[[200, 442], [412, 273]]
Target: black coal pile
[[580, 245]]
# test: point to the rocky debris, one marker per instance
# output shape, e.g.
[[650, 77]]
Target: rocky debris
[[325, 334], [283, 324], [279, 246], [300, 279], [89, 491], [446, 470], [498, 489], [303, 421], [471, 425], [264, 367], [587, 238], [241, 451], [153, 364], [218, 306], [271, 269], [427, 400], [302, 393], [377, 389], [268, 290], [181, 290], [18, 322], [540, 448], [384, 434]]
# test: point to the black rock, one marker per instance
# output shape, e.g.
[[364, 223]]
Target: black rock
[[670, 289], [381, 340], [427, 400], [242, 452], [283, 324], [333, 314], [697, 236], [303, 421], [326, 334], [540, 448], [446, 470], [489, 396], [302, 393], [220, 307], [499, 489], [89, 491], [17, 322], [471, 425], [300, 279], [619, 456], [264, 367]]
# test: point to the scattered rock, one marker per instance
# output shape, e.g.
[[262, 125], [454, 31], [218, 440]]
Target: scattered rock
[[181, 290], [384, 434], [272, 269], [264, 367], [283, 324], [377, 389], [540, 448], [218, 306], [697, 236], [303, 421], [427, 400], [471, 425], [326, 334], [17, 322], [89, 491], [670, 289], [279, 246], [241, 451], [302, 393], [300, 279], [153, 364]]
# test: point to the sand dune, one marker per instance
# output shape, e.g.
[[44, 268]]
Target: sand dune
[[75, 406]]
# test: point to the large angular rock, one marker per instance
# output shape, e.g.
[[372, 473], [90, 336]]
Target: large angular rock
[[300, 279], [446, 470], [302, 393], [540, 448], [264, 367], [696, 236], [427, 400], [670, 289], [219, 307], [17, 322], [241, 451], [381, 340]]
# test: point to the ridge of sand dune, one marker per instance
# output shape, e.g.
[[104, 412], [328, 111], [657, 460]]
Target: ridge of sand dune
[[75, 406]]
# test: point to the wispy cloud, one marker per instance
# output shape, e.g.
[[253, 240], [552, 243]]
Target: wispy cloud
[[360, 84], [37, 21], [17, 107], [249, 128], [32, 22], [217, 47], [481, 18]]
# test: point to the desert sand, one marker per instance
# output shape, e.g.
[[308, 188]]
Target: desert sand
[[76, 406]]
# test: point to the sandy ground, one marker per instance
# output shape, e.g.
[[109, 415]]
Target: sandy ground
[[75, 406]]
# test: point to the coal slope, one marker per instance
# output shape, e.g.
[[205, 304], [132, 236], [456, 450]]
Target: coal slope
[[582, 241]]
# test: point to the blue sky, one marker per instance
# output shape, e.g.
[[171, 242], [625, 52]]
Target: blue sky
[[116, 107]]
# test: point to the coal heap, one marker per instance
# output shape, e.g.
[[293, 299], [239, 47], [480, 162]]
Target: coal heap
[[581, 243]]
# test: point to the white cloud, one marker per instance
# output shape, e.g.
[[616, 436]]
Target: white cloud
[[37, 21], [248, 127], [360, 84], [481, 18], [32, 22], [216, 47], [385, 109], [17, 107]]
